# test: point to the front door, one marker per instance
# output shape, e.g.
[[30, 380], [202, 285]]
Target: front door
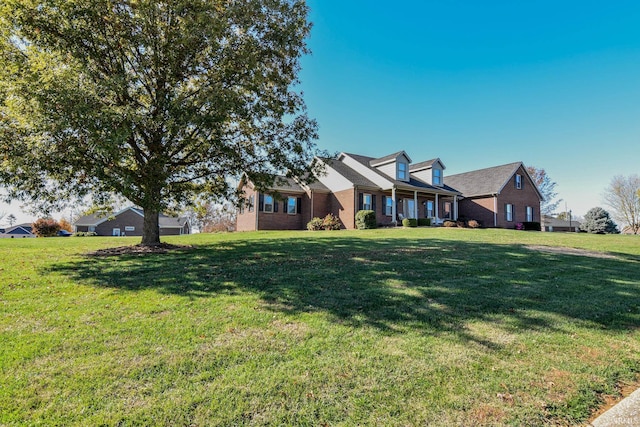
[[116, 232]]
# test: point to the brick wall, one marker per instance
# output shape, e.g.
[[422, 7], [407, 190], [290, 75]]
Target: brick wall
[[246, 221], [343, 206]]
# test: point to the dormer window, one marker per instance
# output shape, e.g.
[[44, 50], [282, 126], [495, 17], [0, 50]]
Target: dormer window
[[402, 171], [519, 181], [437, 177]]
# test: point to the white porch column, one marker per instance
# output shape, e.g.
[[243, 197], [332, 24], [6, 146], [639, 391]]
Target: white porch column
[[437, 209], [455, 207], [394, 214], [415, 204]]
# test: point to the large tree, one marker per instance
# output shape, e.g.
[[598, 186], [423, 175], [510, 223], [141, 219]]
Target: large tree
[[156, 101], [547, 188], [623, 196]]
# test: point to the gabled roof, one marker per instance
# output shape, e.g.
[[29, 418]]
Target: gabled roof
[[425, 165], [486, 182], [351, 175], [20, 229], [387, 159], [412, 185]]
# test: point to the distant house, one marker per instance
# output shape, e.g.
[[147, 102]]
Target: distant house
[[499, 196], [627, 230], [17, 232], [394, 188], [129, 222], [550, 223]]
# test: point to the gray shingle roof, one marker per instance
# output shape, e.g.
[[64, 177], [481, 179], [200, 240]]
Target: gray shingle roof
[[386, 159], [482, 182], [412, 185], [350, 174], [164, 221], [284, 184]]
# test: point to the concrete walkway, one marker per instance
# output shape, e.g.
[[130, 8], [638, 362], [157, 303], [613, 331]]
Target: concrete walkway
[[624, 414]]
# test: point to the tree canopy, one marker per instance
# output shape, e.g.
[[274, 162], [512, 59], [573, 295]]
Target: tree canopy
[[598, 221], [623, 196], [157, 101], [547, 188]]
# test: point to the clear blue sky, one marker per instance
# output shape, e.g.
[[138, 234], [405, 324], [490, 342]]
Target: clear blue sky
[[555, 84]]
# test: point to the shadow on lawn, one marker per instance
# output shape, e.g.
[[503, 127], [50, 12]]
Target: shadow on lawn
[[394, 284]]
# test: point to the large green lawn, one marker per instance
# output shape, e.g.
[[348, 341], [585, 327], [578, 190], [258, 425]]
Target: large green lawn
[[382, 327]]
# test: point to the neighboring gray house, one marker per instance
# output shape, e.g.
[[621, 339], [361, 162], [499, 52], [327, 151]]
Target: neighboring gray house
[[129, 222], [17, 232], [550, 223]]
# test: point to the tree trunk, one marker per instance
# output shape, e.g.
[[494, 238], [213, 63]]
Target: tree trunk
[[151, 228]]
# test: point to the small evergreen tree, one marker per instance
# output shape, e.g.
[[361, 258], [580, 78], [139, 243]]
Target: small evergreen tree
[[598, 221]]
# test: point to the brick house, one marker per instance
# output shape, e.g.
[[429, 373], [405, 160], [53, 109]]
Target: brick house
[[395, 188], [499, 196], [129, 222]]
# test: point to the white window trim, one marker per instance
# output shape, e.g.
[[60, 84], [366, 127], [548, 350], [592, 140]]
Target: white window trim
[[447, 214], [388, 207], [295, 205], [264, 204], [529, 214], [518, 181], [129, 228], [366, 206], [436, 178], [404, 171], [509, 212], [430, 212]]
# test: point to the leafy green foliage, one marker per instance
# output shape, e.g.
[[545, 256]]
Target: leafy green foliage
[[45, 227], [153, 101], [329, 222], [409, 222], [598, 221], [424, 222], [315, 224], [366, 219]]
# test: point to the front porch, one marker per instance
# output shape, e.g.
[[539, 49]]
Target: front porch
[[401, 204]]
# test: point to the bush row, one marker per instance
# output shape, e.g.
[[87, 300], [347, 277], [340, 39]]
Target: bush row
[[85, 234]]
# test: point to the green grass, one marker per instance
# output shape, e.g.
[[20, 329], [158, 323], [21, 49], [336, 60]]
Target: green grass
[[378, 327]]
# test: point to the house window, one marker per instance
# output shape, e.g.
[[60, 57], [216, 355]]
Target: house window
[[519, 181], [129, 228], [92, 228], [268, 203], [447, 210], [251, 203], [529, 214], [437, 176], [508, 212], [292, 205], [388, 206], [367, 205], [402, 171], [429, 209]]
